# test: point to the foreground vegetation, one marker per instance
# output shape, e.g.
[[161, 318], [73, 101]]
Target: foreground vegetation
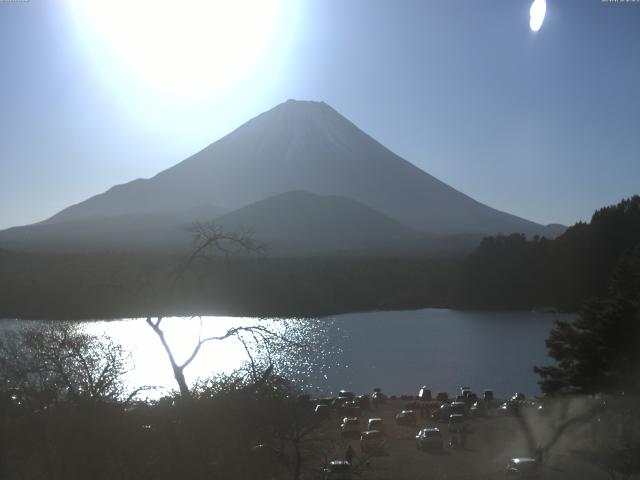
[[65, 414]]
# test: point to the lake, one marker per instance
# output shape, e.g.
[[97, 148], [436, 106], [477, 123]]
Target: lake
[[398, 351]]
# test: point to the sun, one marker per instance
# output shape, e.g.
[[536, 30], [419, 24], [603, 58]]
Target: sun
[[188, 48], [537, 12]]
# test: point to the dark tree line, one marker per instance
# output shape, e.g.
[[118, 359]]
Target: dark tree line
[[514, 272], [116, 285]]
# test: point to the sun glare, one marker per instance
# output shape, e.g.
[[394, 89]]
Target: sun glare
[[537, 12], [190, 48]]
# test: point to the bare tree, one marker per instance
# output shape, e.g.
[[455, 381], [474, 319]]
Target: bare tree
[[178, 368], [209, 239]]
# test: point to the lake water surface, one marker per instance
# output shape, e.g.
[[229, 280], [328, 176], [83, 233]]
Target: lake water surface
[[398, 351]]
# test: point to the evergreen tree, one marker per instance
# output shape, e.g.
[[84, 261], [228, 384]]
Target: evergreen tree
[[599, 352]]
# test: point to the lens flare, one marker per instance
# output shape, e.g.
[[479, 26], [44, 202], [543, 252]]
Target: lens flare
[[537, 12], [185, 48]]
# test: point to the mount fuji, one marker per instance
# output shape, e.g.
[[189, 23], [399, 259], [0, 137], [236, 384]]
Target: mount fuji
[[297, 146]]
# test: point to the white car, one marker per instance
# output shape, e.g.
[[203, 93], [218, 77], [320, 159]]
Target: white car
[[350, 427], [375, 424]]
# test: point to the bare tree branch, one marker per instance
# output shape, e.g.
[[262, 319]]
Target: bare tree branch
[[133, 394]]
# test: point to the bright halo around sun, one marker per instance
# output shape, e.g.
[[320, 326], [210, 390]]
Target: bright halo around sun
[[187, 48], [537, 12]]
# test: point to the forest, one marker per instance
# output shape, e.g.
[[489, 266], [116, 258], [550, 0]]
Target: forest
[[114, 285], [513, 272]]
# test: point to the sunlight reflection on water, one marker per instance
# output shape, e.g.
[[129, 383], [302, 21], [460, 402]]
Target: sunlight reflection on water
[[301, 359], [396, 350]]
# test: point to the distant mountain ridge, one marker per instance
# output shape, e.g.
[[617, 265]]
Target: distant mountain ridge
[[299, 221], [296, 146], [293, 223], [137, 231]]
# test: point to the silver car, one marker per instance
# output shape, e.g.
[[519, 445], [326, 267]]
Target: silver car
[[429, 439], [523, 467]]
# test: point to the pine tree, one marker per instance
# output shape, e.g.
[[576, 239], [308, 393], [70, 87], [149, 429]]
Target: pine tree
[[599, 352]]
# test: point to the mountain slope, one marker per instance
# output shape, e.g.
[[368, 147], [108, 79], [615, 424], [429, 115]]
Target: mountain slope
[[303, 146], [302, 222], [127, 231], [290, 223]]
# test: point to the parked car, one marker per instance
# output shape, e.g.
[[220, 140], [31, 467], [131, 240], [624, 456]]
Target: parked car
[[346, 394], [406, 418], [429, 439], [375, 424], [457, 423], [508, 408], [487, 396], [350, 427], [523, 467], [339, 470], [458, 408], [442, 397], [518, 397], [442, 414], [323, 411], [478, 409], [424, 394], [372, 441]]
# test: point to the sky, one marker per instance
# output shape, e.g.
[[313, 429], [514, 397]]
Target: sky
[[544, 125]]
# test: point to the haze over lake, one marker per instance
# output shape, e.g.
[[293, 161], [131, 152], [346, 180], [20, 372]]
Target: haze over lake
[[398, 351]]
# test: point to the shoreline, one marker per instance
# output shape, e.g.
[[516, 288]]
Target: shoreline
[[267, 315]]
